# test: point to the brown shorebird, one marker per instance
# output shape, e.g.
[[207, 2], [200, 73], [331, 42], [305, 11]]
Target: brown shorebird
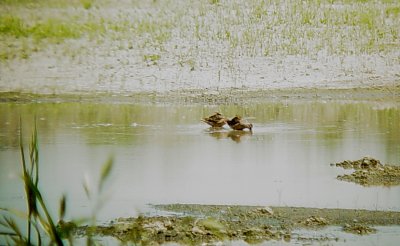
[[236, 123], [215, 120]]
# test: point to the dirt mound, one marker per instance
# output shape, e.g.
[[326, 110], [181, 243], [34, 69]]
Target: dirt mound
[[370, 172], [359, 229]]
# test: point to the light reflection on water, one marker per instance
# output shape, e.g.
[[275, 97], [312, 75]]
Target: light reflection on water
[[164, 154]]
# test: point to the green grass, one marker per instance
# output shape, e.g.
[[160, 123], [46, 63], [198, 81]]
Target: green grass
[[17, 2], [395, 11], [151, 59], [51, 29], [37, 216], [202, 30], [87, 4], [214, 1], [21, 38], [12, 25]]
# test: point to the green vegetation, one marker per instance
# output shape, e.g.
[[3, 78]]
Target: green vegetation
[[395, 11], [87, 4], [37, 216], [48, 3], [21, 38], [50, 29], [41, 227], [151, 59], [206, 30], [11, 25]]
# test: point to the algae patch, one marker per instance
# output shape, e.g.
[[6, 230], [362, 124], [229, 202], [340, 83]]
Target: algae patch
[[370, 172]]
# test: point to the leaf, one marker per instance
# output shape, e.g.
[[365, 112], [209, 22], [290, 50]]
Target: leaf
[[21, 146], [86, 188], [63, 207], [39, 237], [105, 172], [31, 193], [10, 223]]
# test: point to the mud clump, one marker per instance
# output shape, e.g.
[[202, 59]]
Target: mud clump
[[370, 172], [314, 221], [364, 163], [188, 231], [359, 229]]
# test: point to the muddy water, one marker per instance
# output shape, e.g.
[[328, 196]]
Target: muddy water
[[164, 154]]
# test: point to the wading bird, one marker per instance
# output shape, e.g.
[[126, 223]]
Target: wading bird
[[236, 123], [215, 120]]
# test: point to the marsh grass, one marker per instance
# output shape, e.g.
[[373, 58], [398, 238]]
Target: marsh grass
[[21, 38], [253, 28], [51, 29], [151, 59], [234, 29], [41, 226], [87, 4], [48, 3], [37, 216], [220, 33]]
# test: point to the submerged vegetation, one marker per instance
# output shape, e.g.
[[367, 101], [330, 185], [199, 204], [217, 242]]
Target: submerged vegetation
[[42, 228]]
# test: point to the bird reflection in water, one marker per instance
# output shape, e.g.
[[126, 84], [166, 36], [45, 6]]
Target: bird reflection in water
[[234, 135]]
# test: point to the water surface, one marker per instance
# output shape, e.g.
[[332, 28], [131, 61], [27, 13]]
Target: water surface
[[164, 154]]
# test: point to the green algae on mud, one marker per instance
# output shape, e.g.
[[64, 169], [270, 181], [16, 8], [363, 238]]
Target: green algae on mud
[[196, 224]]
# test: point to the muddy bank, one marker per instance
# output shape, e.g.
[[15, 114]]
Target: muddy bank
[[370, 172], [384, 94], [197, 224]]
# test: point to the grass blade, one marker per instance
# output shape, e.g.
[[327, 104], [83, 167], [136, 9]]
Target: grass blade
[[105, 172], [34, 154], [63, 207], [34, 197], [86, 188], [10, 223], [30, 200], [39, 237], [52, 231]]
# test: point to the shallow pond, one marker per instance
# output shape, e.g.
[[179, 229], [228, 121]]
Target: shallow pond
[[164, 154]]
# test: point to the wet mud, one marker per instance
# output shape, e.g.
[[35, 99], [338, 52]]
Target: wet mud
[[359, 229], [370, 172], [243, 96], [199, 224]]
